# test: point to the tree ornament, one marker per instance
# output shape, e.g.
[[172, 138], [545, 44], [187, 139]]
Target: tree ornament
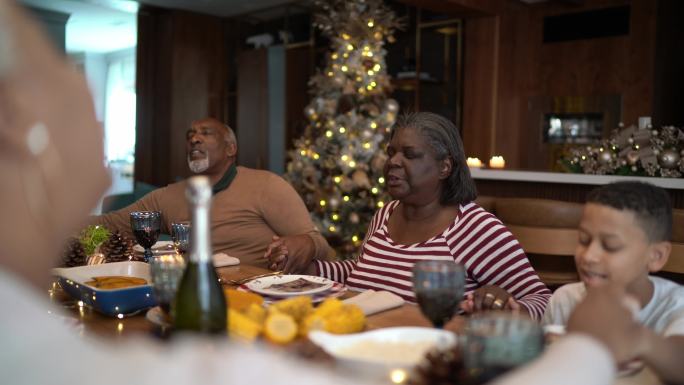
[[632, 157], [310, 112], [605, 157], [361, 180], [668, 159], [392, 105]]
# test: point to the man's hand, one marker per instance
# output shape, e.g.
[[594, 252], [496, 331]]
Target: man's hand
[[290, 254], [605, 315]]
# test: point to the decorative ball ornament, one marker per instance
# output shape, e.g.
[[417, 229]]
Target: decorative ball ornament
[[361, 180], [310, 112], [392, 105], [605, 157], [354, 218], [669, 159], [632, 157], [334, 202]]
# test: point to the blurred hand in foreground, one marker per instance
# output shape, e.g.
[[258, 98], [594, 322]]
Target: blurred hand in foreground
[[607, 315]]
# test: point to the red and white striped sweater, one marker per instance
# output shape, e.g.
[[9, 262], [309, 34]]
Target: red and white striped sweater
[[476, 239]]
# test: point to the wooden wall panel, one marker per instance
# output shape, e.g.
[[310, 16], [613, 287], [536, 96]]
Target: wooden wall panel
[[153, 99], [506, 52], [555, 191], [480, 57], [252, 107], [668, 88], [181, 76], [299, 69]]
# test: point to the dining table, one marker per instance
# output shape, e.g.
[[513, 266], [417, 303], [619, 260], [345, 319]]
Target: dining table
[[90, 323]]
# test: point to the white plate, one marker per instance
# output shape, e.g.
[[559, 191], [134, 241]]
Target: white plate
[[264, 285], [378, 353], [161, 245]]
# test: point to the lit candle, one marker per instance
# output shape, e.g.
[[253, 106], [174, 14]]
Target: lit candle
[[497, 162], [474, 162]]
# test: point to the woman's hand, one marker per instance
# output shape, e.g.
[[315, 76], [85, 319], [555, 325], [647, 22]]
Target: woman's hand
[[489, 297], [290, 254]]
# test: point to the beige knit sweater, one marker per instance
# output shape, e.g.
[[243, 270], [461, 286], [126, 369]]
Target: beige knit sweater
[[244, 217]]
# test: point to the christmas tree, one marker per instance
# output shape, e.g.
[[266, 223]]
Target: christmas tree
[[336, 166]]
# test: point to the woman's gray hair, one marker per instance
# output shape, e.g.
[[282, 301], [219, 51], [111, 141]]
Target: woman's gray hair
[[442, 136]]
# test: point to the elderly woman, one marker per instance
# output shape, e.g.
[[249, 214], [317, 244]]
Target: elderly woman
[[433, 217]]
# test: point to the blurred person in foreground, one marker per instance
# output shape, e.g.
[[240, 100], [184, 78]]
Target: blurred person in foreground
[[50, 142], [624, 235], [250, 207], [43, 106], [434, 217]]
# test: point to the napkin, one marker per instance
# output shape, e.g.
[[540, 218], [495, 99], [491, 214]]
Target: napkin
[[371, 301], [223, 259]]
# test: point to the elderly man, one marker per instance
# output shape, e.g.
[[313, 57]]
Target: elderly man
[[250, 208]]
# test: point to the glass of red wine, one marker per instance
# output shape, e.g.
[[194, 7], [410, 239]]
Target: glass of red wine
[[146, 226], [439, 287]]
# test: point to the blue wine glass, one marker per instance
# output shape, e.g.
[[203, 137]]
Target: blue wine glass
[[146, 226], [180, 234], [439, 287]]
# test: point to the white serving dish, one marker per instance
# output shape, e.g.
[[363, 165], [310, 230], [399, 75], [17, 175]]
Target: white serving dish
[[384, 353]]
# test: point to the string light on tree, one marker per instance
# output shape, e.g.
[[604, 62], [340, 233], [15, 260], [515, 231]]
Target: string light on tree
[[339, 157]]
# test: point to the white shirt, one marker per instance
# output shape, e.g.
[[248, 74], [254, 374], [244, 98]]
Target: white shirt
[[664, 313]]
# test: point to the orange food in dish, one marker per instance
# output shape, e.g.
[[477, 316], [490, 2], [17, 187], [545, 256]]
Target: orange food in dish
[[110, 282]]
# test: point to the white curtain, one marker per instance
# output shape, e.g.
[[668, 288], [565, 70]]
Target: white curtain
[[120, 107]]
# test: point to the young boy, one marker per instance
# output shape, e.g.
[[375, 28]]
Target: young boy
[[623, 235]]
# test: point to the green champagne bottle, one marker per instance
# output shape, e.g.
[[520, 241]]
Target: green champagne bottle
[[200, 304]]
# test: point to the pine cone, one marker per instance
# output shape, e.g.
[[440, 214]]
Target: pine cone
[[441, 367], [74, 254], [118, 248]]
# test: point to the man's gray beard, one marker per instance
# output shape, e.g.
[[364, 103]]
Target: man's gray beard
[[199, 165]]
